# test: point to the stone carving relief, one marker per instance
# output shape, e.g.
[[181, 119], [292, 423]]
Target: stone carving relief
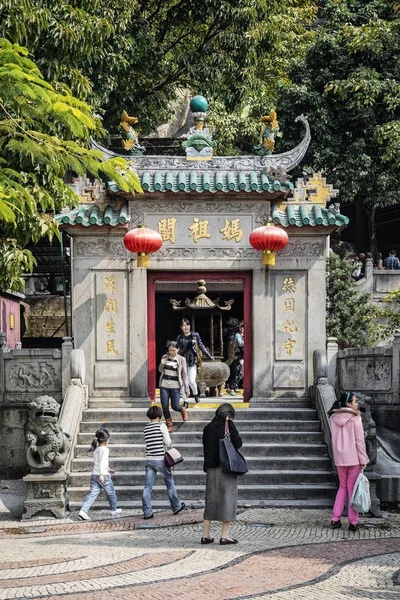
[[32, 507], [168, 252], [34, 375], [102, 247], [206, 253], [43, 492], [299, 247], [47, 445]]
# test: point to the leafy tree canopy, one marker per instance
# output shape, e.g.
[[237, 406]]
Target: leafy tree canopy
[[351, 316], [134, 54], [349, 85], [43, 134]]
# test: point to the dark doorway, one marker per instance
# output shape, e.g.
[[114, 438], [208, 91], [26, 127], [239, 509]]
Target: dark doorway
[[163, 321], [168, 320]]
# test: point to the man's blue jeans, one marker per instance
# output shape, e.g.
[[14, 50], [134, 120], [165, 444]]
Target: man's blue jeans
[[165, 395], [96, 487], [152, 468]]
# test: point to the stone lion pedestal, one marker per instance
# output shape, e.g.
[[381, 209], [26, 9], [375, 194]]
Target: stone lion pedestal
[[46, 493], [47, 448]]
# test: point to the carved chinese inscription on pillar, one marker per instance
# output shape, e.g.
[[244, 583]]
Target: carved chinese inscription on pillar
[[290, 305], [111, 315]]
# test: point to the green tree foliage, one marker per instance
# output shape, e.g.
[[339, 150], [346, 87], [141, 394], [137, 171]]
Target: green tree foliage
[[43, 134], [134, 54], [349, 85], [351, 317]]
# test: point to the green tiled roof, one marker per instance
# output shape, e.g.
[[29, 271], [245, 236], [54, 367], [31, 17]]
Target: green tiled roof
[[302, 215], [287, 215], [209, 181], [92, 215]]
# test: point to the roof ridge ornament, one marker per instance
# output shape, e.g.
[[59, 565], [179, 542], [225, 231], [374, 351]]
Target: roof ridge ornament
[[130, 140], [269, 131], [198, 144], [287, 161]]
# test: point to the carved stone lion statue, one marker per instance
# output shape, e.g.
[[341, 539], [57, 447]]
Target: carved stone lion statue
[[47, 445]]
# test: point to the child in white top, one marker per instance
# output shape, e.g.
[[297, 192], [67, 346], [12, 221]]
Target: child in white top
[[101, 476]]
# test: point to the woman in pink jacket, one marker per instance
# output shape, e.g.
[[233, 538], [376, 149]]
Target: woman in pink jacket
[[349, 453]]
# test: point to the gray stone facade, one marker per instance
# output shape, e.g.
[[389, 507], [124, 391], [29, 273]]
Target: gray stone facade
[[288, 300]]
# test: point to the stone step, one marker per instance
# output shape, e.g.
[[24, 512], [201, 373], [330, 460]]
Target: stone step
[[196, 492], [124, 463], [193, 449], [199, 414], [137, 426], [236, 400], [243, 503], [186, 478], [184, 437]]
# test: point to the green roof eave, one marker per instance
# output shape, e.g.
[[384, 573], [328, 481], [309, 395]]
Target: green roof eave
[[109, 216], [303, 215]]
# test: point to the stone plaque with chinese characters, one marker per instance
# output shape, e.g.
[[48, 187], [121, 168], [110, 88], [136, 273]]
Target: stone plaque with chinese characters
[[290, 316], [111, 315], [202, 230]]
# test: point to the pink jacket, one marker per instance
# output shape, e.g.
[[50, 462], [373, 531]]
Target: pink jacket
[[348, 439]]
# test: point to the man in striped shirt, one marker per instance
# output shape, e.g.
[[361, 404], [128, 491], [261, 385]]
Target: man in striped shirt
[[157, 440]]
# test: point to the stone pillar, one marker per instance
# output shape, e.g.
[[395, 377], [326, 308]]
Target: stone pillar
[[138, 333], [66, 351], [369, 275], [262, 328], [396, 368], [332, 361]]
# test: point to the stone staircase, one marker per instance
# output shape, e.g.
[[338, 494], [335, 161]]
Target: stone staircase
[[282, 443]]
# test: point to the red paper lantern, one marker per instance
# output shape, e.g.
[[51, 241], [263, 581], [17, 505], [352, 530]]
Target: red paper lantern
[[269, 239], [144, 241]]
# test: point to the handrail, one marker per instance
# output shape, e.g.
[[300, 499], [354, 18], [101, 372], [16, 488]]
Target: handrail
[[75, 401]]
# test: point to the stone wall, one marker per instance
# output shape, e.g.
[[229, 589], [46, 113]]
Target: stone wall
[[24, 375], [374, 372]]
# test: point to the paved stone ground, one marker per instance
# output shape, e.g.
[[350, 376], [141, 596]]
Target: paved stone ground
[[282, 553]]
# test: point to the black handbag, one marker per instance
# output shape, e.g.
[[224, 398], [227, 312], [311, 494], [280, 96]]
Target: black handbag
[[231, 461]]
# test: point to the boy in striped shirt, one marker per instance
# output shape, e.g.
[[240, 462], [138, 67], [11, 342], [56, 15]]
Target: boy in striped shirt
[[157, 439]]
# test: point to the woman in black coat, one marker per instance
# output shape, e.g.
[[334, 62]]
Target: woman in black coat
[[221, 488]]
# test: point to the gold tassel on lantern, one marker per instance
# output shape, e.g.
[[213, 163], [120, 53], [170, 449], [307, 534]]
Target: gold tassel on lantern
[[143, 260], [268, 258]]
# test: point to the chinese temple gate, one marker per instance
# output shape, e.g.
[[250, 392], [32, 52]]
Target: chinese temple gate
[[204, 207]]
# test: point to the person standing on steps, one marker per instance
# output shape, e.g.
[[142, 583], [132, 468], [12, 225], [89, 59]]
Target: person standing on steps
[[237, 365], [157, 441], [349, 453], [100, 479], [173, 377], [189, 344], [221, 488]]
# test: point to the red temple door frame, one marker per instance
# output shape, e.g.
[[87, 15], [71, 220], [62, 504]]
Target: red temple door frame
[[153, 276]]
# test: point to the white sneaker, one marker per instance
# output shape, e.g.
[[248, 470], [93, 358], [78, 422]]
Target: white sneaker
[[116, 513], [83, 515]]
